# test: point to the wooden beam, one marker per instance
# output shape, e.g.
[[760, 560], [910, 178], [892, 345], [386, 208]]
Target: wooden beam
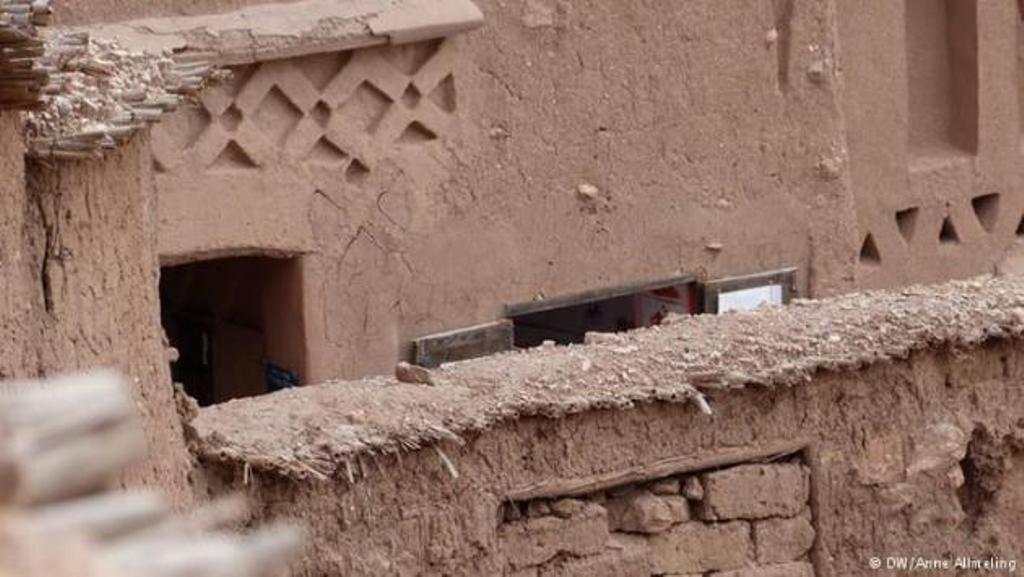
[[577, 486], [595, 295], [458, 345]]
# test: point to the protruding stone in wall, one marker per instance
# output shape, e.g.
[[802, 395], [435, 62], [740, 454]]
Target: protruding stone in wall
[[692, 489], [755, 492], [668, 486], [881, 461], [640, 512], [940, 447]]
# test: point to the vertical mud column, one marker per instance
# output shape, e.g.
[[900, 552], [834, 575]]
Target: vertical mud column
[[19, 294], [98, 275]]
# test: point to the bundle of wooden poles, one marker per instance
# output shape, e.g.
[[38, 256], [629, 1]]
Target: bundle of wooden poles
[[62, 443], [72, 55], [21, 77]]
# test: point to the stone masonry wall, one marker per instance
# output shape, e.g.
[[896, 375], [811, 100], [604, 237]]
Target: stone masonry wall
[[750, 520]]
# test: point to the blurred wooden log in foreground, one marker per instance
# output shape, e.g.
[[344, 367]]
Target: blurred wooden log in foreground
[[61, 443]]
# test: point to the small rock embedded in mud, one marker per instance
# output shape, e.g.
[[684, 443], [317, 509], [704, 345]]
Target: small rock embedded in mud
[[665, 487], [566, 508], [1018, 315], [714, 247], [597, 338], [816, 71], [538, 508], [640, 512], [771, 37], [830, 168], [587, 191], [498, 133], [413, 374], [678, 507], [511, 513], [693, 490]]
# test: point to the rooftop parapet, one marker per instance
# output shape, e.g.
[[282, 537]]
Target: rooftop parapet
[[322, 431], [274, 31]]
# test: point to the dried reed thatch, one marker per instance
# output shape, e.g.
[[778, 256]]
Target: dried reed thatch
[[22, 78], [61, 442], [99, 93]]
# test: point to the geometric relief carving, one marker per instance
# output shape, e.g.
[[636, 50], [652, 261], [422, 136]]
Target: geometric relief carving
[[233, 157], [986, 208], [345, 111], [277, 116], [906, 221], [948, 233], [869, 254]]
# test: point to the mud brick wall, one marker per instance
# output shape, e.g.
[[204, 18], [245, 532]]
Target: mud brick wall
[[918, 456], [89, 240], [750, 520]]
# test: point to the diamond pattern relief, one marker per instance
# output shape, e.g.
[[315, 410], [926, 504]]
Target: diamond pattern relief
[[277, 116], [342, 111]]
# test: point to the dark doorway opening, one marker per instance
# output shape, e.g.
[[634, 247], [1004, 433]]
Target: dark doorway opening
[[568, 319], [237, 325]]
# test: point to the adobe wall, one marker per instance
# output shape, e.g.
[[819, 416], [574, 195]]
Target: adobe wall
[[932, 99], [19, 286], [427, 186], [915, 457], [88, 292]]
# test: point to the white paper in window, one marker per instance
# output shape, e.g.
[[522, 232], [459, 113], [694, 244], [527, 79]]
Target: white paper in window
[[749, 299]]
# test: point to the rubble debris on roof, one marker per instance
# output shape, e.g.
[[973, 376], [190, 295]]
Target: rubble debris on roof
[[322, 430], [99, 93], [21, 76]]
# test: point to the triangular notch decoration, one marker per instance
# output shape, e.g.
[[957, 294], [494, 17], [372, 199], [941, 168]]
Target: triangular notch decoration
[[948, 234], [233, 157], [986, 208], [906, 220], [326, 153], [869, 254], [416, 133]]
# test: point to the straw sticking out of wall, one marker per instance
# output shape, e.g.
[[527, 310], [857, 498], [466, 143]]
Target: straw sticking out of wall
[[21, 77], [100, 93]]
